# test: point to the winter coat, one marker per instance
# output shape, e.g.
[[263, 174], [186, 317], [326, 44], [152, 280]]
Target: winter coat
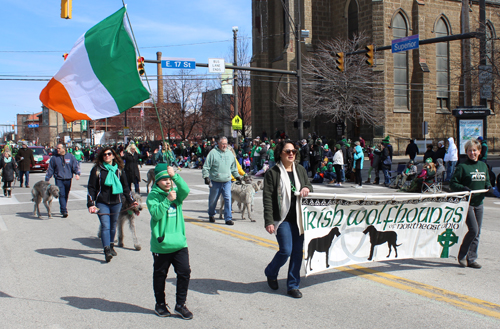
[[131, 166], [452, 153], [338, 158], [412, 150], [62, 167], [220, 165], [25, 158], [358, 157], [376, 159], [98, 192], [440, 153], [304, 152], [9, 169]]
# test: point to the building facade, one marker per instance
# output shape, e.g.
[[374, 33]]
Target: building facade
[[421, 85]]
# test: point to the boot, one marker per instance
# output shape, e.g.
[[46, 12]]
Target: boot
[[4, 192], [368, 181], [9, 192], [112, 249], [377, 180], [107, 254]]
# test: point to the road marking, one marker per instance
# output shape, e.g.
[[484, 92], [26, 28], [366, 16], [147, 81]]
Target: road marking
[[3, 226], [422, 289]]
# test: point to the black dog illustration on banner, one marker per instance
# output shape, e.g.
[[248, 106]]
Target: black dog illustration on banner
[[321, 244], [377, 238]]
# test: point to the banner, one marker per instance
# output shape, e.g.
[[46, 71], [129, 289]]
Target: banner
[[349, 229]]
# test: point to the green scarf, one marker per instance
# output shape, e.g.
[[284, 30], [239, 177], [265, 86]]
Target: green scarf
[[112, 180]]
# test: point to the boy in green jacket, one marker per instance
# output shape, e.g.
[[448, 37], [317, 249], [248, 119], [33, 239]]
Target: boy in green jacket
[[168, 238]]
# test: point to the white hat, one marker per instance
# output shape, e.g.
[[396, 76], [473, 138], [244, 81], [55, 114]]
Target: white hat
[[441, 142]]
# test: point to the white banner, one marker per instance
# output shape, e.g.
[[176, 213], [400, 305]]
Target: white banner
[[349, 229]]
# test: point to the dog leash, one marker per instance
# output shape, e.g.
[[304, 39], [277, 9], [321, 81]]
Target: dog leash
[[128, 209]]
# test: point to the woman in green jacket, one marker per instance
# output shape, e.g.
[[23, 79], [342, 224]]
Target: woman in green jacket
[[471, 175], [282, 215]]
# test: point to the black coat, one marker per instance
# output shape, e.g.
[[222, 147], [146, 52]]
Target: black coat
[[412, 150], [28, 159], [131, 166], [439, 153], [98, 192], [9, 169]]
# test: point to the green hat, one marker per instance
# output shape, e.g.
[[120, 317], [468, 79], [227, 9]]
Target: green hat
[[326, 146], [337, 146], [386, 140], [161, 172], [428, 160]]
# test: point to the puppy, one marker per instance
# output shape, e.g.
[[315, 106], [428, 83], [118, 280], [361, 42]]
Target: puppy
[[44, 191], [151, 179]]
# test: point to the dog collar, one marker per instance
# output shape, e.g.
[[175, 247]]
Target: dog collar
[[130, 212]]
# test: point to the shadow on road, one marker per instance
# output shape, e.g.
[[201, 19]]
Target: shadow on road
[[104, 305], [91, 242], [75, 253], [2, 294]]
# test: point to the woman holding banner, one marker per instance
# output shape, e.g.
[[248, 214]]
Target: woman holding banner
[[281, 215], [471, 175]]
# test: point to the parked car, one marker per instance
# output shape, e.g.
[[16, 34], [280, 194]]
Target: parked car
[[42, 158]]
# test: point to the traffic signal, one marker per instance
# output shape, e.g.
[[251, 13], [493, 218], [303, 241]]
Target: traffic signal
[[12, 127], [370, 54], [66, 8], [140, 65], [340, 62]]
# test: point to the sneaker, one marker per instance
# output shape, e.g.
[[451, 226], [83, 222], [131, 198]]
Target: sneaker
[[338, 184], [359, 186], [27, 186], [272, 283], [65, 215], [162, 310], [295, 293], [474, 265], [229, 222], [183, 312], [211, 219], [462, 262]]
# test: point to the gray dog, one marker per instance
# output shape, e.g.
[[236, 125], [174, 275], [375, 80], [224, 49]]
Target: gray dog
[[43, 191], [151, 179], [128, 214], [243, 194]]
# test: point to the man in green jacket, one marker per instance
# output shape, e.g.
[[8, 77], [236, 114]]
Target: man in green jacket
[[168, 238], [218, 168]]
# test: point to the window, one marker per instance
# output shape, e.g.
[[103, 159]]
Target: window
[[352, 19], [400, 30], [442, 67]]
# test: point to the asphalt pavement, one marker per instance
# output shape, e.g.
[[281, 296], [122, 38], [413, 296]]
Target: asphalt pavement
[[53, 274]]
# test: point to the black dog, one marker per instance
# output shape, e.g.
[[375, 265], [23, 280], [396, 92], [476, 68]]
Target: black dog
[[322, 244], [377, 238]]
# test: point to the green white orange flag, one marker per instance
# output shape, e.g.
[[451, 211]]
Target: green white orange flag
[[99, 79]]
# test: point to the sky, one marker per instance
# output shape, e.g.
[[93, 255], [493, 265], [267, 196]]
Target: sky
[[35, 37]]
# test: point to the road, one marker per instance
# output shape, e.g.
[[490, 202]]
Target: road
[[53, 275]]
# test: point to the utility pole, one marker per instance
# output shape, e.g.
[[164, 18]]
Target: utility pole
[[482, 44], [298, 58], [466, 52], [235, 79]]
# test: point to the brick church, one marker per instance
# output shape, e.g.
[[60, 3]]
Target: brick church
[[423, 84]]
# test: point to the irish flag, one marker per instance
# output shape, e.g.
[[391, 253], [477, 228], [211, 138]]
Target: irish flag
[[99, 79]]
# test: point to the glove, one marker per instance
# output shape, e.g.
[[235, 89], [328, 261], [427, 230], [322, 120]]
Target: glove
[[465, 188], [207, 181], [240, 179]]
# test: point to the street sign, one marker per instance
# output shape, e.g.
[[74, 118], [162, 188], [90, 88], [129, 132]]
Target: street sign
[[178, 63], [406, 43], [237, 123], [35, 125], [216, 65]]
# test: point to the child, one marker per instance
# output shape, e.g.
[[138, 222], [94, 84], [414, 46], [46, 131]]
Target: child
[[168, 238], [246, 163]]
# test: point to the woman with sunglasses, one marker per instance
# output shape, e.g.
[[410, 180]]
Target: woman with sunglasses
[[107, 182], [282, 215]]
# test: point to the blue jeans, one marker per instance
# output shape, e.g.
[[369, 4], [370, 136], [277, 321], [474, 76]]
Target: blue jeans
[[64, 187], [22, 174], [256, 164], [387, 176], [450, 168], [108, 222], [305, 164], [216, 190], [290, 245]]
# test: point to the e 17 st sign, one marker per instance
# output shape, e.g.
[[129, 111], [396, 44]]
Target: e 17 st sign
[[178, 63]]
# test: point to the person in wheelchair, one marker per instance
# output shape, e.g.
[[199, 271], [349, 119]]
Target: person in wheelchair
[[409, 173], [427, 175]]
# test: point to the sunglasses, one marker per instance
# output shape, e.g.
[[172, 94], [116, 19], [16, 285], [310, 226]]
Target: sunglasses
[[108, 154], [294, 151]]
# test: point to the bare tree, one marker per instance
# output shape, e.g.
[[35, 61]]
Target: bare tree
[[334, 95], [183, 103]]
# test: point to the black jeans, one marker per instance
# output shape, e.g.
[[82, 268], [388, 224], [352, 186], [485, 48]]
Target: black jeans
[[180, 261]]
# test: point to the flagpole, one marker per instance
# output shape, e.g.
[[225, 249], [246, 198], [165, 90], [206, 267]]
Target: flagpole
[[145, 74]]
